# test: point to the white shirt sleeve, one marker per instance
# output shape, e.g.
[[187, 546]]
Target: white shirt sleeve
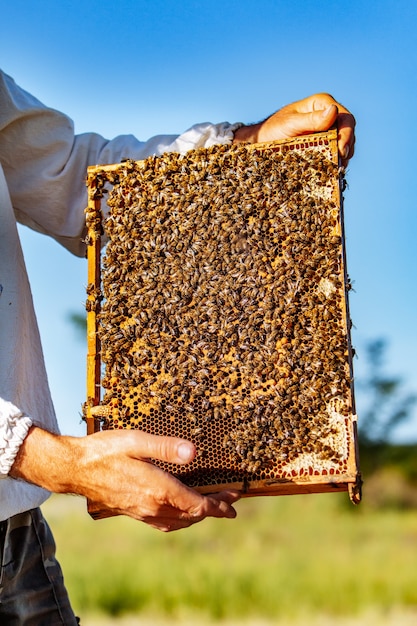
[[45, 163], [24, 386], [14, 427]]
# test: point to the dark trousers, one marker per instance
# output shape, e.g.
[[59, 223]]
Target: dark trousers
[[32, 591]]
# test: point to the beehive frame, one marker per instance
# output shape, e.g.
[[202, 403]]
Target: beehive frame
[[251, 428]]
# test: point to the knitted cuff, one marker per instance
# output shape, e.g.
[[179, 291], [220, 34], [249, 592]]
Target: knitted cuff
[[14, 427], [227, 131]]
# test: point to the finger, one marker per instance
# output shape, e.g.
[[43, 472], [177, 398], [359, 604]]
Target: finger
[[173, 498], [230, 496], [314, 121], [346, 135], [322, 103], [144, 446], [190, 506], [223, 503], [345, 125], [180, 507], [293, 121], [169, 449], [183, 502], [216, 505], [322, 120], [222, 509]]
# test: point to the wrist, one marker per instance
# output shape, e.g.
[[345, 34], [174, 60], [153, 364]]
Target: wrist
[[14, 427], [48, 460], [247, 134]]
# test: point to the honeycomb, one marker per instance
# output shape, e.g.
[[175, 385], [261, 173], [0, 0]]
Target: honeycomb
[[218, 312]]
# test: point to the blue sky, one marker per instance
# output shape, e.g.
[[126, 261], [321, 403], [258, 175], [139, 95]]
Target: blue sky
[[146, 67]]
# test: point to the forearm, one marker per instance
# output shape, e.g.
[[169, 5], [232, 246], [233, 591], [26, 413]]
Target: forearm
[[248, 134], [49, 461]]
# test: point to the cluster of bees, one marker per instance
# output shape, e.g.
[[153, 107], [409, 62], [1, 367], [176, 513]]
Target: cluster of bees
[[223, 313]]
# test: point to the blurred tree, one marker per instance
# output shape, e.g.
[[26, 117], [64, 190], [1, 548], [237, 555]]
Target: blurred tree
[[78, 321], [385, 407]]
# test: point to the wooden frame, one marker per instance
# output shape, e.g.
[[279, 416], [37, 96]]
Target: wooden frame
[[99, 414]]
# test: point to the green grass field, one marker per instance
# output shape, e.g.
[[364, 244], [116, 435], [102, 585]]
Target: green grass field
[[284, 560]]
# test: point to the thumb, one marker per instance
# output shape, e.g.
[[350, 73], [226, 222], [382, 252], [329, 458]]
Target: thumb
[[169, 449], [294, 120], [315, 121]]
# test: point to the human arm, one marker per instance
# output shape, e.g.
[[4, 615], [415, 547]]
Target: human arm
[[45, 161], [113, 469], [313, 114]]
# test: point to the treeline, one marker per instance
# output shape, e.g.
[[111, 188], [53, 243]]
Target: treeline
[[389, 469]]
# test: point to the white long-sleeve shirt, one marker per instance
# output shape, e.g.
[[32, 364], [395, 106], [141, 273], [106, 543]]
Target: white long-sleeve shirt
[[43, 167]]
